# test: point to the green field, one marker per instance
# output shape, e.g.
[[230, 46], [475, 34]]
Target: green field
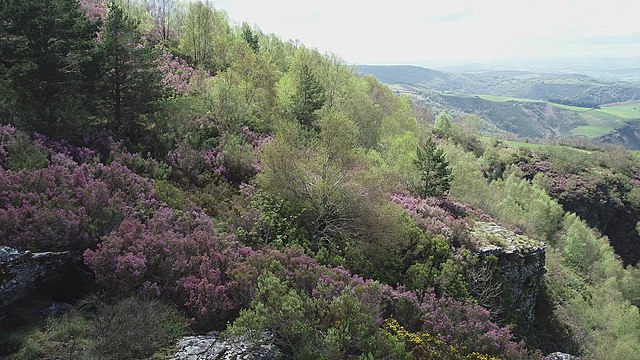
[[529, 145], [522, 144], [606, 119], [599, 121], [493, 98], [626, 110]]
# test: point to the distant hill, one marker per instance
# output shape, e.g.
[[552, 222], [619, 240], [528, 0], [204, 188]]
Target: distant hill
[[395, 74], [526, 104], [522, 84]]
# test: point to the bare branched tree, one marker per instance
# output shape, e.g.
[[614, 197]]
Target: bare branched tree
[[161, 11], [485, 286]]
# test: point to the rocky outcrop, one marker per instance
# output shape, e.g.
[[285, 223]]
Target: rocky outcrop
[[560, 356], [211, 346], [518, 268], [23, 273]]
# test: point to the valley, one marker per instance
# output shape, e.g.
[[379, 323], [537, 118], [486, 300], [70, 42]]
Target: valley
[[526, 105]]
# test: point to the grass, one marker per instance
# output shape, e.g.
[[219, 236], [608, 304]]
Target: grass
[[627, 110], [592, 131], [528, 145], [493, 98], [522, 144], [128, 329]]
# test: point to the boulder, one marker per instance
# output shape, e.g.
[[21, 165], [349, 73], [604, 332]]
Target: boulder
[[560, 356], [23, 273], [211, 346]]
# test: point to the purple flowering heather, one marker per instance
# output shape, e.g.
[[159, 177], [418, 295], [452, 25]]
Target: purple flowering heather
[[176, 73]]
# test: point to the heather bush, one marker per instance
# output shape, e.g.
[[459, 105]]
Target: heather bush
[[55, 208], [73, 202], [345, 298], [201, 160], [172, 254], [345, 328], [176, 73]]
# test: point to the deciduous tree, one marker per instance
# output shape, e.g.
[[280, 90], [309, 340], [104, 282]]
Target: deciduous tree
[[161, 11]]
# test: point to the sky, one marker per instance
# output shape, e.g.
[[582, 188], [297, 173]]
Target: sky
[[417, 32]]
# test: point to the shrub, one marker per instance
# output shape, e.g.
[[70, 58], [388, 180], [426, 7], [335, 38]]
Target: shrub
[[17, 152], [427, 346], [134, 328], [127, 329]]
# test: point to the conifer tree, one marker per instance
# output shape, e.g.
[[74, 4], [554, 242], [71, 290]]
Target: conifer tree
[[433, 169], [250, 37], [45, 52], [131, 83], [309, 97]]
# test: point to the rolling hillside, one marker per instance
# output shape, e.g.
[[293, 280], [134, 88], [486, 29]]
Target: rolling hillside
[[522, 84], [518, 102]]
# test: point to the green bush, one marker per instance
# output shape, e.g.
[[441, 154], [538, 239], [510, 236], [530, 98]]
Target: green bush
[[307, 328], [129, 329], [23, 154], [135, 328]]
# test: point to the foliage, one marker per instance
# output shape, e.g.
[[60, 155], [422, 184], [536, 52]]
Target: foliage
[[303, 92], [206, 37], [427, 346], [433, 169], [17, 152], [252, 141], [250, 37], [131, 82], [46, 61], [130, 328], [443, 124]]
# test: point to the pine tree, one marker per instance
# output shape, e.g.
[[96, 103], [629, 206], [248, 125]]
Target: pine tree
[[131, 83], [250, 37], [433, 169], [45, 52], [309, 97]]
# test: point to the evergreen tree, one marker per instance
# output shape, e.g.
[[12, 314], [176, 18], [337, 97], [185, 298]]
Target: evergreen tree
[[131, 83], [309, 97], [45, 53], [250, 37], [433, 169]]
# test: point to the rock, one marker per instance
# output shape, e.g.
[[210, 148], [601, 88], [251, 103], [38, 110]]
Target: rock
[[520, 269], [560, 356], [23, 273], [210, 346]]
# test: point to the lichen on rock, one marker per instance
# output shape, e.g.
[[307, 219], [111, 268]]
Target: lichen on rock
[[211, 346]]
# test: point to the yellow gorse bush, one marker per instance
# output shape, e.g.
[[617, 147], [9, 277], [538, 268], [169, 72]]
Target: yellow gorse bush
[[428, 346]]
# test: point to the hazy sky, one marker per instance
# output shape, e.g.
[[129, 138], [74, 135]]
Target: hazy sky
[[403, 31]]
